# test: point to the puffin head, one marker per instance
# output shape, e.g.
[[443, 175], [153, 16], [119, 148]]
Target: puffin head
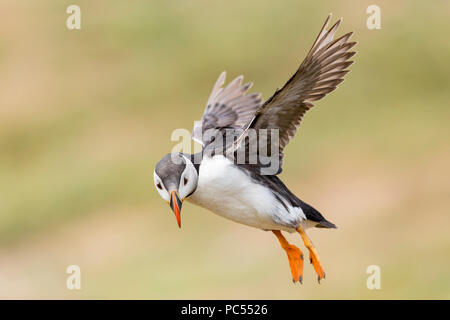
[[175, 179]]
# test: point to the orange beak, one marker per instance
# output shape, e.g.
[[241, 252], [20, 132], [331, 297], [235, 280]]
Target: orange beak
[[175, 204]]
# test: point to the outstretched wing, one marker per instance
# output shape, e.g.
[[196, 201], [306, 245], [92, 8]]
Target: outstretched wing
[[319, 74], [227, 108]]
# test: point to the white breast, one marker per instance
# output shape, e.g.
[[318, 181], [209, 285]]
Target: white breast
[[229, 192]]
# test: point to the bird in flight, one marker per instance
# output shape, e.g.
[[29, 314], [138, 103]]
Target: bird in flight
[[241, 190]]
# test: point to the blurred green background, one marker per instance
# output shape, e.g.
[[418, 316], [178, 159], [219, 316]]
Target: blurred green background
[[85, 115]]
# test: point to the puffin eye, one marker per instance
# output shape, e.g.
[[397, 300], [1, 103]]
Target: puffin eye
[[185, 181], [159, 186]]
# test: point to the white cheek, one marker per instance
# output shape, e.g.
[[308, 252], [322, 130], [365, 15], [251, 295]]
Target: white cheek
[[191, 174], [162, 192], [188, 188]]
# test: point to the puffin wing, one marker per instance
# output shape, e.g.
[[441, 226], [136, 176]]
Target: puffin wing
[[319, 74], [227, 108]]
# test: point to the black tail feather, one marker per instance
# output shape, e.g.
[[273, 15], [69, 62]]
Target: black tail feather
[[314, 215], [326, 224]]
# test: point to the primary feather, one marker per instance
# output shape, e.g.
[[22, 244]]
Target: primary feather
[[227, 107], [319, 74]]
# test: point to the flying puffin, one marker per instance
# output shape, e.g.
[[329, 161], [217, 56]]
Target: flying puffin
[[239, 191]]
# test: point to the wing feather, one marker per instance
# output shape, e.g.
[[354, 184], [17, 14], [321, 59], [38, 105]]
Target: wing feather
[[227, 107], [322, 70]]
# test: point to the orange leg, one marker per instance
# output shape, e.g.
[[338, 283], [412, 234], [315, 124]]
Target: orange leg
[[295, 257], [313, 256]]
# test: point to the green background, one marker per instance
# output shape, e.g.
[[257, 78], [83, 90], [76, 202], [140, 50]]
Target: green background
[[85, 115]]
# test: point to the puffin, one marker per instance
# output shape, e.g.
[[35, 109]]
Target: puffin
[[238, 177]]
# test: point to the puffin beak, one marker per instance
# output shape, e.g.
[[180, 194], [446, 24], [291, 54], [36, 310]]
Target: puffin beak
[[175, 204]]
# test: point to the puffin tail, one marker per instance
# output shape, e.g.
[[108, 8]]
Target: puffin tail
[[314, 215], [326, 224]]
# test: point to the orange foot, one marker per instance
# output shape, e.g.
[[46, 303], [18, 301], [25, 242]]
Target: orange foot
[[313, 256], [295, 257]]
